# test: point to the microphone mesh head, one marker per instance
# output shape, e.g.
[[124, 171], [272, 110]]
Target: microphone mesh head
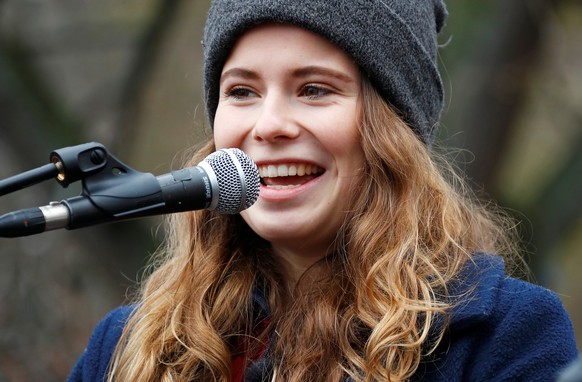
[[238, 180]]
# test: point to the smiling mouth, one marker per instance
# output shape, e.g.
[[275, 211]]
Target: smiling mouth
[[288, 175]]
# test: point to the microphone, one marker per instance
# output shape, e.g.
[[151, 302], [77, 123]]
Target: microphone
[[226, 181]]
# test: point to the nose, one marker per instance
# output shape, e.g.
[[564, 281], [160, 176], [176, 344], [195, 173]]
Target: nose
[[276, 121]]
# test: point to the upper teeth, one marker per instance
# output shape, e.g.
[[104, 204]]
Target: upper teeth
[[290, 169]]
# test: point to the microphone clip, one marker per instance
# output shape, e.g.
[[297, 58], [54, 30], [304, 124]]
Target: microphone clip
[[107, 184], [79, 162]]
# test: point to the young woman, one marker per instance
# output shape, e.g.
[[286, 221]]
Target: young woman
[[360, 261]]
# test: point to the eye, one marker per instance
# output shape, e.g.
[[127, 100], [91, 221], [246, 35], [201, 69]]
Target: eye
[[239, 93], [312, 91]]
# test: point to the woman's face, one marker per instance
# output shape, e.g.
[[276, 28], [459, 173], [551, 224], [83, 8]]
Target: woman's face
[[290, 100]]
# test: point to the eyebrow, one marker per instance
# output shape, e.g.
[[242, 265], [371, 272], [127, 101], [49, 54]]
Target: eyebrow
[[299, 73], [319, 70], [238, 72]]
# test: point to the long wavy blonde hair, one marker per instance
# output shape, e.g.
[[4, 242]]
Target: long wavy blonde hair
[[372, 309]]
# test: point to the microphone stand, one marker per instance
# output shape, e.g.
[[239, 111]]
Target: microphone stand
[[28, 178], [68, 165]]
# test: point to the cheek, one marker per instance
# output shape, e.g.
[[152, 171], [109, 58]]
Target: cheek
[[221, 140], [350, 155], [344, 141], [225, 131]]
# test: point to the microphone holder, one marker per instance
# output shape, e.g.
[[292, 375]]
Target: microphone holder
[[110, 188], [107, 182]]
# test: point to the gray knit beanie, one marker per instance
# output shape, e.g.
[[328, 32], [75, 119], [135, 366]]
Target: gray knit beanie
[[393, 41]]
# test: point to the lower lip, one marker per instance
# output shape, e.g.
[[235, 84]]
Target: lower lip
[[284, 194]]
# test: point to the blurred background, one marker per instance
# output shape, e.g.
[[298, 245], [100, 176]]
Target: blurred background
[[127, 74]]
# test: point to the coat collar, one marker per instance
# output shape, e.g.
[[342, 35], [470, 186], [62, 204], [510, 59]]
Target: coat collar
[[476, 290]]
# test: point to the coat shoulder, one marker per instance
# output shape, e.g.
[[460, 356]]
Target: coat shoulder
[[502, 329], [93, 364]]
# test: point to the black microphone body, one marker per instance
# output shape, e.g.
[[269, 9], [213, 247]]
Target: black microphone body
[[183, 190], [227, 181]]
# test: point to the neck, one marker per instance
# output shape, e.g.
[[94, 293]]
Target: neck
[[294, 262]]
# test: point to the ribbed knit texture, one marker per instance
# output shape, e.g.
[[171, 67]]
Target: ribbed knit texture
[[393, 41]]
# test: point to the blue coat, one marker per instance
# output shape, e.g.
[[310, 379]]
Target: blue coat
[[508, 330]]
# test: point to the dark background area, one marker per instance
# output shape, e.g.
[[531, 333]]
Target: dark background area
[[128, 74]]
